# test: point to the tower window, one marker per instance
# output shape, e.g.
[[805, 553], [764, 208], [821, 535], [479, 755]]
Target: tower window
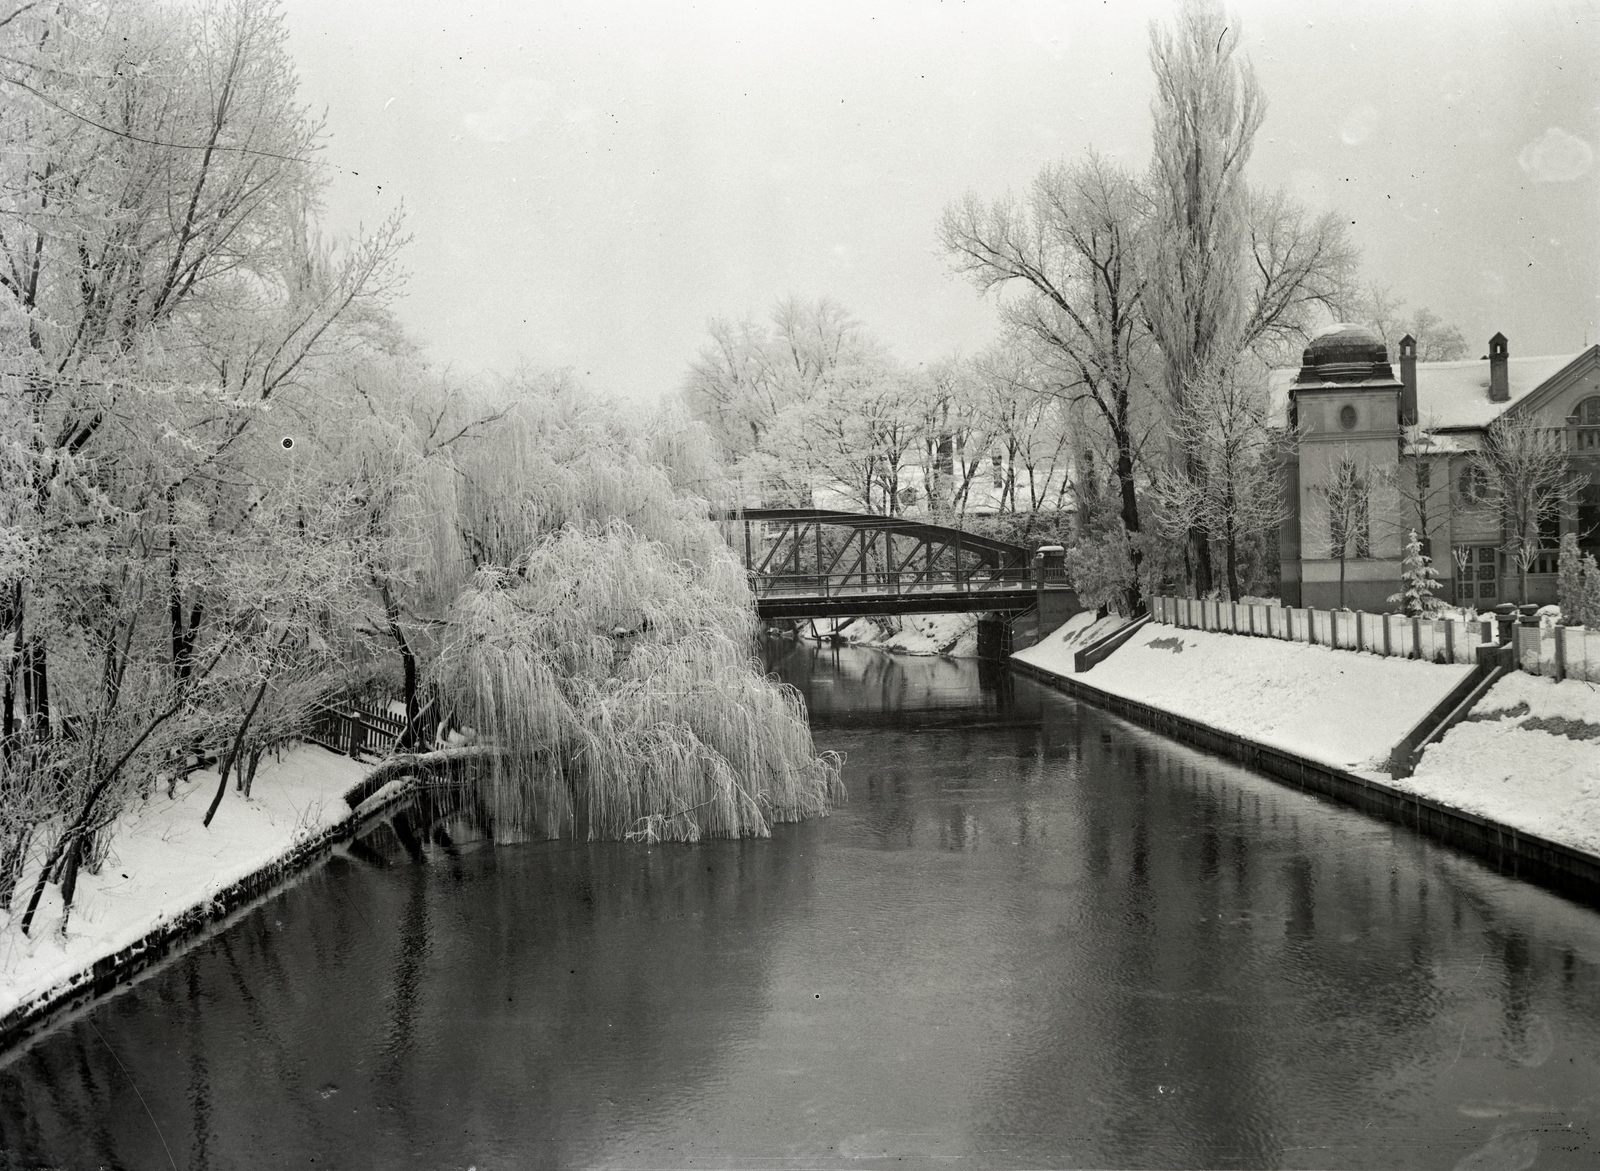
[[1347, 417]]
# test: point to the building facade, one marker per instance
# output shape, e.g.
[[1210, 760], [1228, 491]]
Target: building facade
[[1375, 452]]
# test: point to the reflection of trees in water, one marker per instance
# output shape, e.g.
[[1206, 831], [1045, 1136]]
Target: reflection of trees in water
[[1275, 969], [479, 998], [869, 686]]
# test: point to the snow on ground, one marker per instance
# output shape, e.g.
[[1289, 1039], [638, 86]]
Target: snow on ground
[[1055, 650], [1543, 778], [912, 634], [161, 862], [1337, 707]]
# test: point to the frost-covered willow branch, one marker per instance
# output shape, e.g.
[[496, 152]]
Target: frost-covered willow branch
[[619, 682]]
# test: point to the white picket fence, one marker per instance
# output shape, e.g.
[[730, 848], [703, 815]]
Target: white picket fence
[[1565, 652]]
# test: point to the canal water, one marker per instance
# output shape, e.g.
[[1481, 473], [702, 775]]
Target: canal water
[[1036, 936]]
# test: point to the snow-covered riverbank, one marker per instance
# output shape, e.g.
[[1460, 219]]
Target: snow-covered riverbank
[[1527, 757], [162, 864], [1336, 707]]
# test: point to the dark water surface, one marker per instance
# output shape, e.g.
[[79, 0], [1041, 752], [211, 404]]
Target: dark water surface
[[1036, 936]]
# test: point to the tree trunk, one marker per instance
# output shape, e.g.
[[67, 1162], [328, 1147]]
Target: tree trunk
[[36, 688], [1130, 522], [69, 877], [1341, 583], [233, 754], [11, 860], [1232, 549], [11, 629], [408, 661]]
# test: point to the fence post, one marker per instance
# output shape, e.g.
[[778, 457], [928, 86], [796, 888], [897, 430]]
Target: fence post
[[1384, 618], [1561, 653], [1416, 637], [1449, 641]]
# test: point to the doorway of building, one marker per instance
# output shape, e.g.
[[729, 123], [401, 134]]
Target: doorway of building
[[1479, 583]]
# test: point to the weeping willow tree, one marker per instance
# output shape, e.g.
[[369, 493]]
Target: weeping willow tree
[[603, 642], [618, 683]]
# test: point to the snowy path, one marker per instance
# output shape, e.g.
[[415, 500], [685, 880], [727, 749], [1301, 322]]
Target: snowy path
[[162, 862]]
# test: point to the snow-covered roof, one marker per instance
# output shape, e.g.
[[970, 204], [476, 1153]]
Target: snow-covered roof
[[1448, 443], [1456, 394], [1449, 394]]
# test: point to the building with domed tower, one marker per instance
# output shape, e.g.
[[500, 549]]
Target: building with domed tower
[[1410, 440]]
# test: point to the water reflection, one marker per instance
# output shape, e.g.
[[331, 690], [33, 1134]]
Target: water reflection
[[1037, 935]]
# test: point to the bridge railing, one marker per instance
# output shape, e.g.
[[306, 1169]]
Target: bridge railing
[[939, 581]]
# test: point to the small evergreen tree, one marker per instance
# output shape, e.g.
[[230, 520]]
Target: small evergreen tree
[[1589, 605], [1569, 581], [1419, 580]]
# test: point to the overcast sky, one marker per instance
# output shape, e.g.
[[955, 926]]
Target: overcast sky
[[587, 184]]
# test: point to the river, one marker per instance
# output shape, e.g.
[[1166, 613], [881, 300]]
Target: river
[[1036, 935]]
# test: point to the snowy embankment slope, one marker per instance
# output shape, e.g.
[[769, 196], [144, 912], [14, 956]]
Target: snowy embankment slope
[[1528, 756], [162, 862], [1338, 708], [1055, 650]]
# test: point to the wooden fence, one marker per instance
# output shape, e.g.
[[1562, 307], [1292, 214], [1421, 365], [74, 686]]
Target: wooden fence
[[1561, 651], [353, 729]]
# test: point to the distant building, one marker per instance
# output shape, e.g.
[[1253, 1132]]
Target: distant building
[[1347, 408]]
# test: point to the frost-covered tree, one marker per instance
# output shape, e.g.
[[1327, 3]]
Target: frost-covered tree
[[1527, 481], [1225, 475], [1419, 581], [751, 372], [1343, 505], [602, 642], [1437, 340], [163, 292], [1070, 250], [1578, 585], [1227, 269], [617, 681]]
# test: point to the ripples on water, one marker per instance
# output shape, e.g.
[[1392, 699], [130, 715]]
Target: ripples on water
[[1037, 935]]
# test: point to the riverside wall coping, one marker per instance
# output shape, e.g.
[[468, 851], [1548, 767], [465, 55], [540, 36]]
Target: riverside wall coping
[[1509, 850]]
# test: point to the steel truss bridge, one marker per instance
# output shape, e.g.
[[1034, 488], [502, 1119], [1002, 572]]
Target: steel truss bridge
[[815, 563]]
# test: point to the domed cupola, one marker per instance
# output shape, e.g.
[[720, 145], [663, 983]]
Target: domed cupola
[[1345, 353]]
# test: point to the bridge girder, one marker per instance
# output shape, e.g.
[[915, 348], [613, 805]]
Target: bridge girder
[[817, 562]]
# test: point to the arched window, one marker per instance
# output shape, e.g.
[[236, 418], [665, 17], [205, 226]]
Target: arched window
[[1473, 486], [1588, 414]]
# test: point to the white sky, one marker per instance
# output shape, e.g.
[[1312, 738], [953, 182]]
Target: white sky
[[586, 184]]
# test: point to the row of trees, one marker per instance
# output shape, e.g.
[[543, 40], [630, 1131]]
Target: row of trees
[[230, 488], [1141, 312], [809, 404]]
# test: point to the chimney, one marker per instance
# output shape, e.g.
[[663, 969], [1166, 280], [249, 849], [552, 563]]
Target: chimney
[[1408, 381], [1499, 383]]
